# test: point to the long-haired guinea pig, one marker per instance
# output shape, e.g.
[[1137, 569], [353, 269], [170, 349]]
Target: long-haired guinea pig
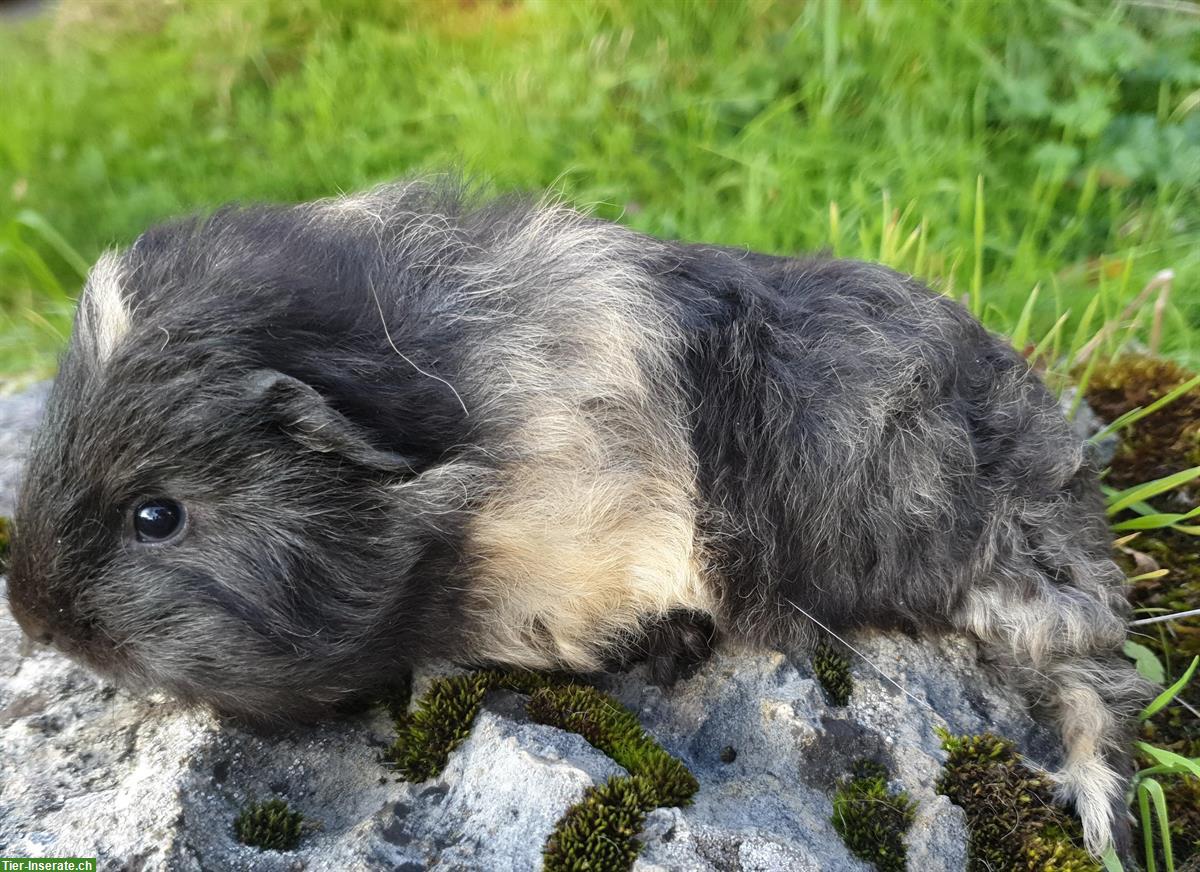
[[292, 450]]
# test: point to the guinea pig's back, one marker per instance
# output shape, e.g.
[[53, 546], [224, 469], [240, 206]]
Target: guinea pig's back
[[858, 437]]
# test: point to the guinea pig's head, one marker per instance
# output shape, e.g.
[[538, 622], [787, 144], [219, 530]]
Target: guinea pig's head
[[195, 520]]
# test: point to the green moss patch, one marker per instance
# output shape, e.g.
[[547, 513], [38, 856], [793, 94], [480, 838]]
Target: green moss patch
[[832, 669], [1012, 819], [1177, 642], [600, 831], [443, 717], [269, 825], [613, 729], [442, 720], [871, 819], [1164, 442]]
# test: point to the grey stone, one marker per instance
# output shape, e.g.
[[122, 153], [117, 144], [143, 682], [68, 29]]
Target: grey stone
[[1086, 424], [87, 769], [19, 416]]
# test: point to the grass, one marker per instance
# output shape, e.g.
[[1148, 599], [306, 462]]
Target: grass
[[990, 146]]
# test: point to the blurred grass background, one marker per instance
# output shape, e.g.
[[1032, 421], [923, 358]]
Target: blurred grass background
[[989, 145]]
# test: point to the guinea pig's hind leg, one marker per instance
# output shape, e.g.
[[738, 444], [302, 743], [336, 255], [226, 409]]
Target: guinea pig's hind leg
[[1062, 648], [673, 645]]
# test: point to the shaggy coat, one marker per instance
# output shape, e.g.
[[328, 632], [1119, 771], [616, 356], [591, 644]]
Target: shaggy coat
[[403, 425]]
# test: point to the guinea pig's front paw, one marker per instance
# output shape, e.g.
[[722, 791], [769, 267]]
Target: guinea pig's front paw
[[674, 645]]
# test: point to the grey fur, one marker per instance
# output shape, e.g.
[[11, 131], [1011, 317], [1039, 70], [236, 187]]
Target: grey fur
[[406, 426]]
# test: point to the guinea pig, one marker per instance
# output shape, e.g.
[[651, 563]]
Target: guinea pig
[[292, 450]]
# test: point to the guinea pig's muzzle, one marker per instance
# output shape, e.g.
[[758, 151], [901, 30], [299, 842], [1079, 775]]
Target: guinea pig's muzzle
[[55, 623], [46, 627], [32, 627], [78, 639]]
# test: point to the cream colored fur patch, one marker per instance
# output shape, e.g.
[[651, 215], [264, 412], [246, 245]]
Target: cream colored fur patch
[[104, 314], [571, 559], [592, 527]]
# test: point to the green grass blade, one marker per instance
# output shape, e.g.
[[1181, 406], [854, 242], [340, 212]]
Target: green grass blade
[[1149, 786], [1138, 493], [1081, 330], [1156, 521], [1050, 337], [1110, 494], [1163, 699], [1081, 386], [1158, 573], [1134, 415], [977, 274], [1111, 862], [1177, 763], [1143, 798], [1021, 332], [37, 267]]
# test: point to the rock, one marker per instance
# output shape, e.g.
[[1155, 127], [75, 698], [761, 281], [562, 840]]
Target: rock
[[18, 417], [1087, 424], [88, 770]]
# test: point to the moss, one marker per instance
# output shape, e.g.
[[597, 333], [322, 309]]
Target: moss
[[1011, 815], [1178, 590], [269, 825], [832, 669], [615, 730], [1183, 799], [1161, 443], [1054, 851], [442, 720], [1175, 643], [523, 682], [871, 819], [600, 831]]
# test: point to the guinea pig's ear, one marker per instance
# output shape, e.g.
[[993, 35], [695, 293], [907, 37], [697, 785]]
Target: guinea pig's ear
[[306, 416]]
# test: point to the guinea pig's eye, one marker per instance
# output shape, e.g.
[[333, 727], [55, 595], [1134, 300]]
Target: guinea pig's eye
[[157, 520]]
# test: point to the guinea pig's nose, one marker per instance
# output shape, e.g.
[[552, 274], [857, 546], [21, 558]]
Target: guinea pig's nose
[[33, 625], [35, 629]]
